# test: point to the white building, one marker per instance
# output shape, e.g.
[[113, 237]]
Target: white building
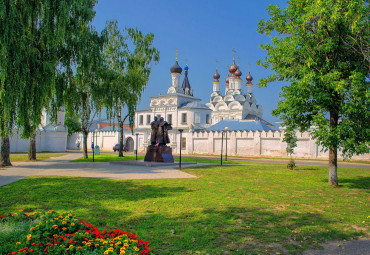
[[204, 125], [49, 136]]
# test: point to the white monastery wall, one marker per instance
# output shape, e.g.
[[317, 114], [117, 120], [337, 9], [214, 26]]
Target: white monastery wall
[[45, 141], [239, 143]]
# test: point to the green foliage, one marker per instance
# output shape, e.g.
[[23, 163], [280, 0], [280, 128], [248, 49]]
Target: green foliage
[[321, 48], [128, 57], [38, 42], [291, 164], [73, 125]]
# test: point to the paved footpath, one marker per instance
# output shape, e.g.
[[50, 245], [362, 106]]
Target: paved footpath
[[61, 166]]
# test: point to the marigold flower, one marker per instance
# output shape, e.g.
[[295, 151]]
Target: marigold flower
[[55, 226], [71, 246], [135, 248], [96, 245], [106, 252], [79, 247], [32, 229], [72, 224], [64, 229], [122, 252], [110, 249], [18, 243], [29, 237]]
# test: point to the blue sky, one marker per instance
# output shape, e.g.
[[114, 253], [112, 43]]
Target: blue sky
[[202, 31]]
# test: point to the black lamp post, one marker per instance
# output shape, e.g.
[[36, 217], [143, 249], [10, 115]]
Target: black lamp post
[[222, 144], [136, 144], [226, 130], [180, 130], [92, 145]]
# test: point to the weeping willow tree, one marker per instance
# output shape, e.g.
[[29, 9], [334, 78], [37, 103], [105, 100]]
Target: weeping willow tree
[[85, 94], [128, 56], [38, 44]]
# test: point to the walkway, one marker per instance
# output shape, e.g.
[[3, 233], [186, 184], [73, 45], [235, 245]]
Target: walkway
[[61, 166]]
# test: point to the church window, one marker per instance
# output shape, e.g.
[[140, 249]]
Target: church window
[[184, 118], [147, 119], [141, 119], [183, 143], [197, 118], [169, 118], [208, 119]]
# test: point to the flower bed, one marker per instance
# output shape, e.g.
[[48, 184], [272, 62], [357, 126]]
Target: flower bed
[[55, 233]]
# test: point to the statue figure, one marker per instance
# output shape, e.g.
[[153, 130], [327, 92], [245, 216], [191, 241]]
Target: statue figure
[[158, 151], [154, 125], [162, 132]]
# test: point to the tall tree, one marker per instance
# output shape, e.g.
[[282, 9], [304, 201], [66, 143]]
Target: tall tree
[[127, 71], [85, 93], [318, 47], [38, 41]]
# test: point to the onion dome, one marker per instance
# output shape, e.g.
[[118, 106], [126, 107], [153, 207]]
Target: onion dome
[[249, 78], [186, 68], [186, 84], [238, 73], [176, 68], [233, 68], [227, 79], [216, 76]]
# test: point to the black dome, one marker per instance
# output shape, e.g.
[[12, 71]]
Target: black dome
[[176, 68]]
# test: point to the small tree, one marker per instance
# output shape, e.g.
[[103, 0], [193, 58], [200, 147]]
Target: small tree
[[85, 93], [319, 47], [291, 139], [127, 71]]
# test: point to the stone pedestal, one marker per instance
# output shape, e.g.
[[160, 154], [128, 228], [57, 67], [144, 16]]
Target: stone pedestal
[[159, 154]]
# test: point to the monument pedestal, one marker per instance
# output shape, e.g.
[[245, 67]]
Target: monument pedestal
[[159, 154]]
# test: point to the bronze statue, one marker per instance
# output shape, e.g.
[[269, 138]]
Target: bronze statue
[[158, 151], [154, 125], [162, 132]]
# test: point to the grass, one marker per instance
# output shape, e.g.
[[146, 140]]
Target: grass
[[246, 209], [39, 156], [113, 157], [12, 232]]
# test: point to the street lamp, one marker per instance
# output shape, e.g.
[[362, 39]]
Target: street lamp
[[136, 144], [226, 130], [222, 144], [92, 145], [180, 130]]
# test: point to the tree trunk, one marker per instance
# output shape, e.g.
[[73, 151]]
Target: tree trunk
[[85, 143], [5, 152], [121, 139], [333, 152], [32, 148]]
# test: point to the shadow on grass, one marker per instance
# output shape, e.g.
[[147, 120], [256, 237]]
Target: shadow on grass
[[359, 182], [235, 230]]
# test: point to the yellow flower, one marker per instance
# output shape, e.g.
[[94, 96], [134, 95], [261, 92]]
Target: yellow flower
[[110, 249], [50, 211], [69, 214], [96, 245], [105, 242], [20, 210], [122, 252], [136, 249], [29, 237], [64, 229], [106, 252], [18, 243], [71, 246], [51, 220], [72, 224], [55, 226], [32, 229]]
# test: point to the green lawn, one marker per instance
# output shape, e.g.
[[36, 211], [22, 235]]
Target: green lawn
[[39, 156], [246, 209], [113, 157]]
